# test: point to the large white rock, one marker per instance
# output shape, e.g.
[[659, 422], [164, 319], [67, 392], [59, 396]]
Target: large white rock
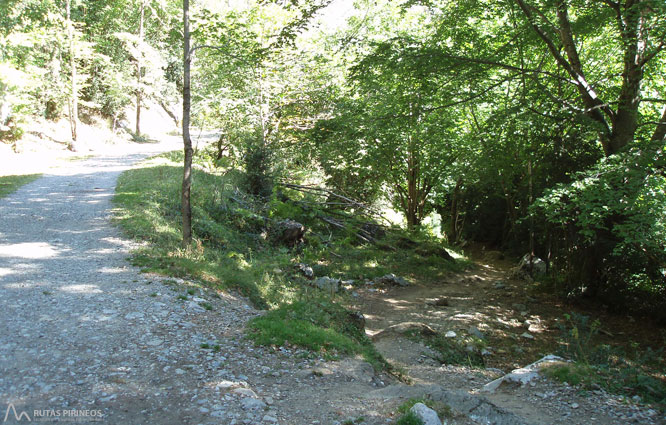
[[524, 375], [426, 414]]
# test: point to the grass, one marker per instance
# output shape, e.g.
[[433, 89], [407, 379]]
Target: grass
[[443, 410], [409, 418], [231, 252], [317, 324], [10, 184]]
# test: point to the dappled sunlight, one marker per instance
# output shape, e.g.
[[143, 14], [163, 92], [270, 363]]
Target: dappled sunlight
[[28, 250], [21, 285], [112, 270], [81, 289]]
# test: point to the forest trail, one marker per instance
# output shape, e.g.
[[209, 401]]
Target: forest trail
[[84, 331], [516, 327]]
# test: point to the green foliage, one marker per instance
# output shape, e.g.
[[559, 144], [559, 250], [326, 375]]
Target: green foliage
[[258, 169], [578, 332], [409, 419], [612, 223]]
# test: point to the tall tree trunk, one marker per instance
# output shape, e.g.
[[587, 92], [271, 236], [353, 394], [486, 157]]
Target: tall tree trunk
[[74, 110], [187, 141], [142, 7], [412, 190], [454, 232]]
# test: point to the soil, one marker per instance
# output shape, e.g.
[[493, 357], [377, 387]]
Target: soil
[[503, 310]]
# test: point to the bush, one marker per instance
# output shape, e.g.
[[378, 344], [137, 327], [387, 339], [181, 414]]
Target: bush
[[610, 230], [258, 169]]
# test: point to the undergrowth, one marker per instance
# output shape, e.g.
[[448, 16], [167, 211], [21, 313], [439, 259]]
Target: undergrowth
[[596, 365], [232, 250]]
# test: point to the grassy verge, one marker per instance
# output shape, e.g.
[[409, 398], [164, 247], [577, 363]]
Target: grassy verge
[[232, 251], [9, 184]]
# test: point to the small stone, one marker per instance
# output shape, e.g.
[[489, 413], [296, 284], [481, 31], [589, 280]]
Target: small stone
[[450, 334], [527, 335], [499, 285], [180, 372], [474, 331], [426, 414], [249, 403], [245, 392], [574, 405], [270, 419]]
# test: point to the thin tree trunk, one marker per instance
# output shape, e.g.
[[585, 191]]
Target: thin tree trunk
[[142, 8], [187, 141], [74, 112], [453, 236]]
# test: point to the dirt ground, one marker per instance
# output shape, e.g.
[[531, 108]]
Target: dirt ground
[[519, 326]]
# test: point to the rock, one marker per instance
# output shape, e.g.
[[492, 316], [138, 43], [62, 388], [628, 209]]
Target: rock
[[249, 403], [426, 414], [439, 302], [305, 270], [358, 320], [391, 280], [287, 232], [474, 331], [522, 376], [245, 392], [404, 328], [527, 335], [499, 285], [270, 419], [450, 334], [327, 284], [538, 265]]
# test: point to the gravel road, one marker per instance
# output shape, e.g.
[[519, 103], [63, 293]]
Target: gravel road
[[84, 337]]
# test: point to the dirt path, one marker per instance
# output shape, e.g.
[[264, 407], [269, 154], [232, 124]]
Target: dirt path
[[517, 329]]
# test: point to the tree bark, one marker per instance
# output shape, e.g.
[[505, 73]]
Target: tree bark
[[74, 111], [618, 128], [187, 141], [142, 7]]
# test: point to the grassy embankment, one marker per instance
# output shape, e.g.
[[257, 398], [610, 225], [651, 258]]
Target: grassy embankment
[[231, 252]]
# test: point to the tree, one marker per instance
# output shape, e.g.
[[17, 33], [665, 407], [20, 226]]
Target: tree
[[186, 207], [74, 97], [639, 36]]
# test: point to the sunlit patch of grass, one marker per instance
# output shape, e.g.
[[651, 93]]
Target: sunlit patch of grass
[[10, 184], [317, 324]]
